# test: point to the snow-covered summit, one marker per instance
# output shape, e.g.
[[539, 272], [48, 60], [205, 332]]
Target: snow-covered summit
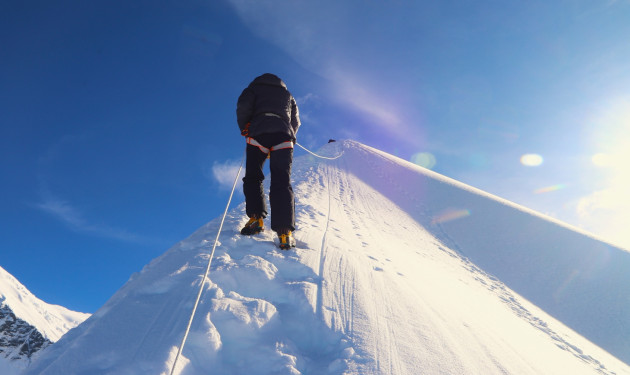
[[28, 324], [398, 270]]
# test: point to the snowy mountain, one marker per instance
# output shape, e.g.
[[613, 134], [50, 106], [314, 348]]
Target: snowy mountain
[[28, 324], [398, 270]]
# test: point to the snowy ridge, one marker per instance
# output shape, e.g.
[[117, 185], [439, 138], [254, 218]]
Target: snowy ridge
[[574, 276], [396, 271], [28, 324]]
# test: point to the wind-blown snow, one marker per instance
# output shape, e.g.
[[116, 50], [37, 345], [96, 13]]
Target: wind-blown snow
[[397, 271]]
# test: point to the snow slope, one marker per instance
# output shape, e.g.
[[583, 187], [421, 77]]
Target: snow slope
[[28, 324], [397, 271]]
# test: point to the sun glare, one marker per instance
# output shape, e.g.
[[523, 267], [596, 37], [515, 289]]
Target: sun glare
[[602, 160], [607, 209]]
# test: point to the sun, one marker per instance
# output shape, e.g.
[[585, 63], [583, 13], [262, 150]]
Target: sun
[[607, 209]]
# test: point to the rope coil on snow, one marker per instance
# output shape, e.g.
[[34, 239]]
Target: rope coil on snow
[[319, 156], [205, 276]]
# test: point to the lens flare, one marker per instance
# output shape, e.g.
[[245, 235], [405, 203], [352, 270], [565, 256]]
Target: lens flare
[[549, 189], [532, 160], [424, 159], [450, 215], [478, 161]]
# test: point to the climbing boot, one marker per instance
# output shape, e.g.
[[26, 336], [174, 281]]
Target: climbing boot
[[255, 225], [286, 240]]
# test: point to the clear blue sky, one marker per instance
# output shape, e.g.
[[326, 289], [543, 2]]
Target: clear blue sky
[[114, 114]]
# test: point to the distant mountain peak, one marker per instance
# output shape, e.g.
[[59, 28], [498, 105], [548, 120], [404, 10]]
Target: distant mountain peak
[[27, 324]]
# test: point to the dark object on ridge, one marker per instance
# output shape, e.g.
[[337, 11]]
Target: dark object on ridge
[[331, 141]]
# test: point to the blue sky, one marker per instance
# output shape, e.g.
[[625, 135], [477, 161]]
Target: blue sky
[[117, 118]]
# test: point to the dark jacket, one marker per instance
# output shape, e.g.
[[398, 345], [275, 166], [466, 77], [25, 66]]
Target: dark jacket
[[268, 107]]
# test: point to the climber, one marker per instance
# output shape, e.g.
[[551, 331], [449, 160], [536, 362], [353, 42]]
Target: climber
[[268, 117]]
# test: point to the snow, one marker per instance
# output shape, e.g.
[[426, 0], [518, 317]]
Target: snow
[[397, 270], [51, 321], [9, 368]]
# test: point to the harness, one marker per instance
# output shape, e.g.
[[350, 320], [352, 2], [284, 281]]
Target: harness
[[265, 150], [253, 142]]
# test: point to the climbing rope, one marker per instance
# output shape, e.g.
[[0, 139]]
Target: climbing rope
[[216, 241], [205, 276], [319, 156]]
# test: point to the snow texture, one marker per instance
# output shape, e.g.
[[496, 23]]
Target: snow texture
[[397, 270], [28, 324]]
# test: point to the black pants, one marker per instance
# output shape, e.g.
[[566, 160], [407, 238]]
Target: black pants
[[281, 193]]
